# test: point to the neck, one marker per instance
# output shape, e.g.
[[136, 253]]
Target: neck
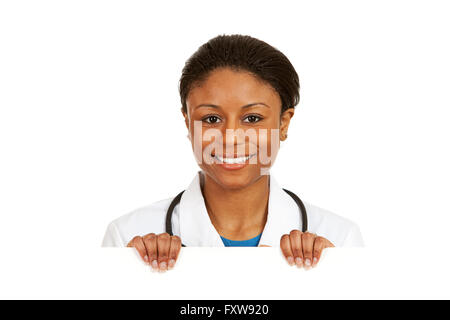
[[237, 214]]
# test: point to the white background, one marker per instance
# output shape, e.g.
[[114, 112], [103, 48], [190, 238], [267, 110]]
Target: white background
[[91, 128]]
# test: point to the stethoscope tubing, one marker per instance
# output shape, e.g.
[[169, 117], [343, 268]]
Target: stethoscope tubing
[[177, 199]]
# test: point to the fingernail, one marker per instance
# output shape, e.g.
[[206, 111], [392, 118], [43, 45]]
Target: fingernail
[[290, 260], [155, 264], [314, 262], [146, 259], [308, 262], [171, 263], [163, 266], [298, 262]]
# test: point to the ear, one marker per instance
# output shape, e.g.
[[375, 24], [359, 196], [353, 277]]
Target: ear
[[285, 119]]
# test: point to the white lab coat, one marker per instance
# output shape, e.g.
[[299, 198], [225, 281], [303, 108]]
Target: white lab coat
[[190, 221]]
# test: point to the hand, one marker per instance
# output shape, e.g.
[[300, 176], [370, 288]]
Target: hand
[[303, 249], [159, 251]]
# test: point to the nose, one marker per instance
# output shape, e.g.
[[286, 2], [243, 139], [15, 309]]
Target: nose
[[236, 139]]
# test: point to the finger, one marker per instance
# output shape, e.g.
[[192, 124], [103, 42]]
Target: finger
[[175, 246], [296, 247], [319, 245], [163, 241], [285, 245], [138, 244], [328, 244], [152, 249], [307, 245]]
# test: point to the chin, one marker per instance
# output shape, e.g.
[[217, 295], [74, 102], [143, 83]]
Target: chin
[[233, 179]]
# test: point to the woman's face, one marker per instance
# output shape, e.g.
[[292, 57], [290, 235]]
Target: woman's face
[[235, 126]]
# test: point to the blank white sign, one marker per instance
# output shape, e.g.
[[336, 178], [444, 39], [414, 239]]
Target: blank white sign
[[225, 273]]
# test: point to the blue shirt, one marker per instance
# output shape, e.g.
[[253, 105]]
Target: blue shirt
[[253, 242]]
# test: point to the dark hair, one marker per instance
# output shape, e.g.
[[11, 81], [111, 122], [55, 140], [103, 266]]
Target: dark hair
[[242, 53]]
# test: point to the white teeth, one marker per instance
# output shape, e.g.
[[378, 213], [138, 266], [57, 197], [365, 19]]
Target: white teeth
[[233, 160]]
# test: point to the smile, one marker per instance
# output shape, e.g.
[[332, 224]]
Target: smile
[[234, 160]]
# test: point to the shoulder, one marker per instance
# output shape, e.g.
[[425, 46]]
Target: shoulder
[[139, 222], [339, 230]]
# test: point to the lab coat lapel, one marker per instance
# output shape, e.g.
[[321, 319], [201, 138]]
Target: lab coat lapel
[[196, 229], [283, 215]]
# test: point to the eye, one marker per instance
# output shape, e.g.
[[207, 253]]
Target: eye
[[252, 118], [211, 119]]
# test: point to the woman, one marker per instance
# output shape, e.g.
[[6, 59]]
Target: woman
[[238, 96]]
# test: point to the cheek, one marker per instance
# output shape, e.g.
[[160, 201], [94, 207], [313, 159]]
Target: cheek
[[195, 136], [268, 145], [204, 142]]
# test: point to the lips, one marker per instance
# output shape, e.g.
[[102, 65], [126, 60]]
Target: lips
[[233, 160]]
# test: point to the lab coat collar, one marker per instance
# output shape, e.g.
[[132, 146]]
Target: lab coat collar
[[196, 228]]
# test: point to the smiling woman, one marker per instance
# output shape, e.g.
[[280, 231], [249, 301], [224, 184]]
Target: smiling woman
[[238, 96]]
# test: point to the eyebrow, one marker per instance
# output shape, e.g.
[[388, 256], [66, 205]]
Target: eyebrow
[[243, 107]]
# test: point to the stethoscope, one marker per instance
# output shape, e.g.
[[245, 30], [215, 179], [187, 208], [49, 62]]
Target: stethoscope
[[177, 199]]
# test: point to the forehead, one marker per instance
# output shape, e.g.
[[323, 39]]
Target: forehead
[[226, 87]]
